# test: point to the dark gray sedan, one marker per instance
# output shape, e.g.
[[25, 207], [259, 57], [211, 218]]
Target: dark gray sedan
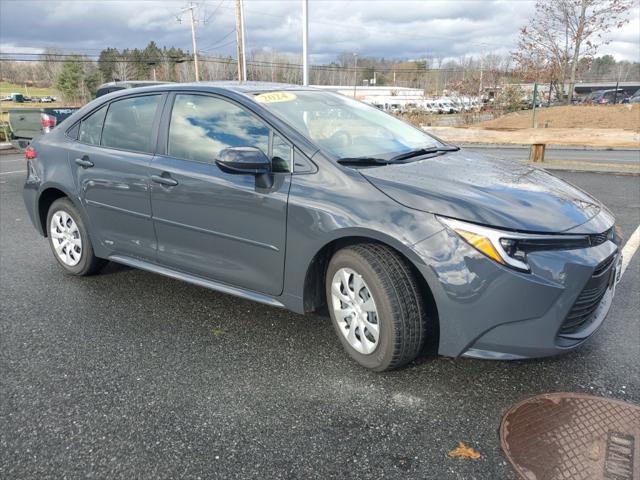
[[301, 198]]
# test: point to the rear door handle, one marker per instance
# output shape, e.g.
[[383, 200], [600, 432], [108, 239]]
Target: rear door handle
[[84, 162], [168, 181]]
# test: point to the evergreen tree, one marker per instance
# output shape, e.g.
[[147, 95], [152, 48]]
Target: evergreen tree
[[70, 80], [107, 63]]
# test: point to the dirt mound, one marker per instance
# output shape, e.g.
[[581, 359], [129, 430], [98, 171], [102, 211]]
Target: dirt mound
[[602, 116]]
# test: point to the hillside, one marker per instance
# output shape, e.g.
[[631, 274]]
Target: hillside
[[6, 88], [601, 116]]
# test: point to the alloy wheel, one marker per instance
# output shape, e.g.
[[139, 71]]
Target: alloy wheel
[[355, 310], [65, 238]]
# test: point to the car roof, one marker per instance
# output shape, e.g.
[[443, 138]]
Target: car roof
[[246, 88], [131, 83]]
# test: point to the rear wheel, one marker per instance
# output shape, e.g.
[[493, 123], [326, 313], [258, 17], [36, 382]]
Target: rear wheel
[[69, 239], [376, 306]]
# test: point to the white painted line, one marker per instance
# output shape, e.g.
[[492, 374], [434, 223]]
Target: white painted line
[[15, 160], [629, 249], [15, 171]]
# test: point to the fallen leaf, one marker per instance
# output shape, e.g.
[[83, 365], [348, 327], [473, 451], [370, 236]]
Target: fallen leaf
[[217, 332], [462, 451]]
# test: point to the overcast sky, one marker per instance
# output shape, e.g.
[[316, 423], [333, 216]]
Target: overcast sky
[[392, 29]]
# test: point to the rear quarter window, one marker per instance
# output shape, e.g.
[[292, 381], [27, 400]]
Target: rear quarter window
[[128, 124], [91, 127]]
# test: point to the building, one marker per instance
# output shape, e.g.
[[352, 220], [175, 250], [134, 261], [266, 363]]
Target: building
[[374, 91]]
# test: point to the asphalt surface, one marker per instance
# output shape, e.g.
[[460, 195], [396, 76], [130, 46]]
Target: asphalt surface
[[128, 374]]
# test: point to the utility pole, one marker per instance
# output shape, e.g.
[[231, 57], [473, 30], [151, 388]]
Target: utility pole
[[355, 74], [305, 42], [242, 63], [244, 37], [533, 105], [153, 66], [481, 69], [191, 7]]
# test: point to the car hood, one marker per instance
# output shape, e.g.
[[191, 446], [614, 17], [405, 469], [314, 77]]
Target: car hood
[[483, 189]]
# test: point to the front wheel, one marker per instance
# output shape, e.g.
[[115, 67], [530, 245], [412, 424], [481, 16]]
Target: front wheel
[[376, 306], [69, 239]]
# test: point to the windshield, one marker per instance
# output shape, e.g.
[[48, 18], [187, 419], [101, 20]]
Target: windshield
[[345, 127]]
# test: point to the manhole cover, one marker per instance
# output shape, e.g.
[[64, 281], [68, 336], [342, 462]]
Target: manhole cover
[[572, 436]]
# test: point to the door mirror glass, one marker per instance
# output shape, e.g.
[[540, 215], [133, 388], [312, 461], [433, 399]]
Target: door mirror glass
[[243, 160]]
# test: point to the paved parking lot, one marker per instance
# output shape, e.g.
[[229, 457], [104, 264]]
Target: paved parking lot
[[132, 375]]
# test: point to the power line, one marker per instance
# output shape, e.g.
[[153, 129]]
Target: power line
[[215, 44], [254, 63], [93, 57], [231, 42], [210, 16]]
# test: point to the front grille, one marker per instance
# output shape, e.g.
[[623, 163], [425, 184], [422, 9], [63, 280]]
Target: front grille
[[590, 297], [599, 238], [603, 266]]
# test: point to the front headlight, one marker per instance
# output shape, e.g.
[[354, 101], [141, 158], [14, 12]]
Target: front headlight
[[511, 248]]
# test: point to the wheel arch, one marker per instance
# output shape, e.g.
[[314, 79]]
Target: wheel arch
[[48, 195], [313, 289]]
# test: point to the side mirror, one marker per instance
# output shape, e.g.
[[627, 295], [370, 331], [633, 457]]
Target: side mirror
[[244, 161]]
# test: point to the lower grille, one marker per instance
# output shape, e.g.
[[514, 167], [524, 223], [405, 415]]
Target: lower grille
[[590, 297]]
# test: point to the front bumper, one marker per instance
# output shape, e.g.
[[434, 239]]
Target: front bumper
[[490, 311], [492, 346]]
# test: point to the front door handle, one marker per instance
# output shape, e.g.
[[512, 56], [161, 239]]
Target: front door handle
[[168, 181], [84, 162]]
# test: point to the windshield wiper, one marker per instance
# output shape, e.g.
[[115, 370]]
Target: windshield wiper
[[403, 156], [424, 151], [363, 161]]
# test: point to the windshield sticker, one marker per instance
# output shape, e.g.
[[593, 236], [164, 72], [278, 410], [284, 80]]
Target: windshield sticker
[[274, 97]]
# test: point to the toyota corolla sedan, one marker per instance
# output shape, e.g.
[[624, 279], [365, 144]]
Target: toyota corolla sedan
[[304, 199]]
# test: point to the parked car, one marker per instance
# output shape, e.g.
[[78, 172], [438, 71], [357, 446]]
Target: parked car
[[445, 106], [27, 123], [430, 107], [300, 198], [17, 98], [635, 98], [605, 97]]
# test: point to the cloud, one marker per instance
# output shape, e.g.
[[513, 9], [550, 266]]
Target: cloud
[[391, 29]]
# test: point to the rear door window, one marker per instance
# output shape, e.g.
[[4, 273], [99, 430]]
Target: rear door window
[[202, 126], [128, 124], [91, 127]]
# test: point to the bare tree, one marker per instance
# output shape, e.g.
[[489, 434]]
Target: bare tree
[[50, 67], [563, 32]]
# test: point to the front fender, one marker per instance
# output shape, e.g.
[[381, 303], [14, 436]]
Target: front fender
[[329, 206]]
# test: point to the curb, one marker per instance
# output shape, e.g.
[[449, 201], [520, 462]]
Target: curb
[[591, 167]]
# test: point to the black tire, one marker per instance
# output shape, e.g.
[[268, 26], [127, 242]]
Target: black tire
[[399, 302], [89, 263]]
